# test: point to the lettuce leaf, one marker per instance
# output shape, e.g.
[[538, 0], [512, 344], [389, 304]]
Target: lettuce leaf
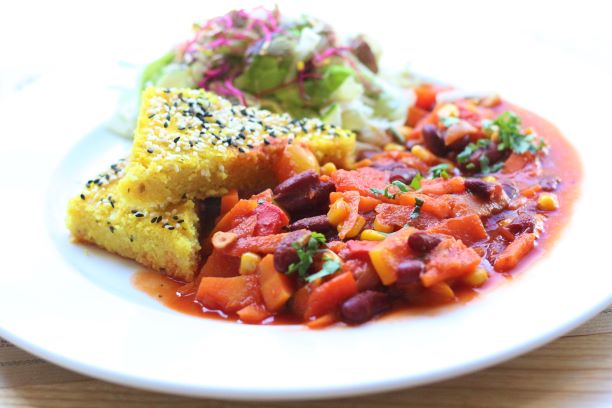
[[153, 72]]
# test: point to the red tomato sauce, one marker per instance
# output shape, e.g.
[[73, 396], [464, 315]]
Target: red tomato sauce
[[562, 161]]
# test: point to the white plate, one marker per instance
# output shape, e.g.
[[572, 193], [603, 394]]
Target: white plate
[[77, 308]]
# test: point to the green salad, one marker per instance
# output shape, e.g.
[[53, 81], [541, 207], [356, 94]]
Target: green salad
[[261, 58]]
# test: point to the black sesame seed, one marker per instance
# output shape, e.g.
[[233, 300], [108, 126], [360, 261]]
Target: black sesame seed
[[151, 116], [82, 196], [131, 238], [166, 124], [243, 112], [167, 90], [150, 150], [112, 229], [175, 217], [176, 139], [153, 220], [139, 215], [241, 150], [266, 141], [180, 221], [249, 145]]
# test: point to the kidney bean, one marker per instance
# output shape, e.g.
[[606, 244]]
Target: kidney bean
[[524, 222], [304, 194], [318, 223], [432, 140], [480, 188], [409, 271], [550, 183], [403, 174], [423, 242], [459, 144], [285, 254], [492, 153], [363, 306]]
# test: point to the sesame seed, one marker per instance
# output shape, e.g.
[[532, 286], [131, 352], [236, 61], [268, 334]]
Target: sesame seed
[[176, 139], [138, 215], [166, 124], [111, 228], [150, 150], [82, 196]]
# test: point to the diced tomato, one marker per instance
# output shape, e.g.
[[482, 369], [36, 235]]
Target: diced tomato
[[359, 249], [265, 244], [242, 209], [468, 229], [439, 186], [450, 259], [270, 219], [393, 214], [330, 295], [361, 180]]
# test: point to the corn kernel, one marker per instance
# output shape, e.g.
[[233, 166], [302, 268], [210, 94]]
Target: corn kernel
[[379, 226], [442, 291], [476, 278], [394, 146], [300, 65], [548, 202], [372, 235], [423, 154], [353, 232], [338, 212], [248, 263], [505, 222], [490, 179], [405, 131], [448, 111], [328, 168]]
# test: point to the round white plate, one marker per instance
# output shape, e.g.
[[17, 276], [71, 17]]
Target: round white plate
[[75, 306]]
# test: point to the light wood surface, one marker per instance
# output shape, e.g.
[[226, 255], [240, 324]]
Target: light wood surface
[[573, 371]]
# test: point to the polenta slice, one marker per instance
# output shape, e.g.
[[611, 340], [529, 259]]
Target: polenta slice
[[193, 144], [162, 239]]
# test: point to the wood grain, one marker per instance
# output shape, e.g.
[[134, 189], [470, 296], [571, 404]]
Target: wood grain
[[574, 371]]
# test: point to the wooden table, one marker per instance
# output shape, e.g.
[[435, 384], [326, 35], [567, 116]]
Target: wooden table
[[573, 371]]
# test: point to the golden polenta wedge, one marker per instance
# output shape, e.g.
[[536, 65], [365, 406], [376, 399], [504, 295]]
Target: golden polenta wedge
[[193, 144], [162, 239]]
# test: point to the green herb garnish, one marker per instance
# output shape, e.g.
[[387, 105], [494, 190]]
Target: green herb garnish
[[439, 171], [415, 184], [329, 267], [467, 152], [305, 254], [418, 203], [508, 127]]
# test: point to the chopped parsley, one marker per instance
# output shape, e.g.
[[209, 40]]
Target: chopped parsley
[[508, 127], [439, 171], [415, 184], [465, 155], [402, 187], [329, 267], [418, 203], [485, 168], [305, 254]]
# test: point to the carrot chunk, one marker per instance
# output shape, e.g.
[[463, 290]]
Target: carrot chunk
[[450, 259], [229, 200], [514, 252], [330, 294], [253, 313], [219, 264], [228, 294], [276, 287]]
